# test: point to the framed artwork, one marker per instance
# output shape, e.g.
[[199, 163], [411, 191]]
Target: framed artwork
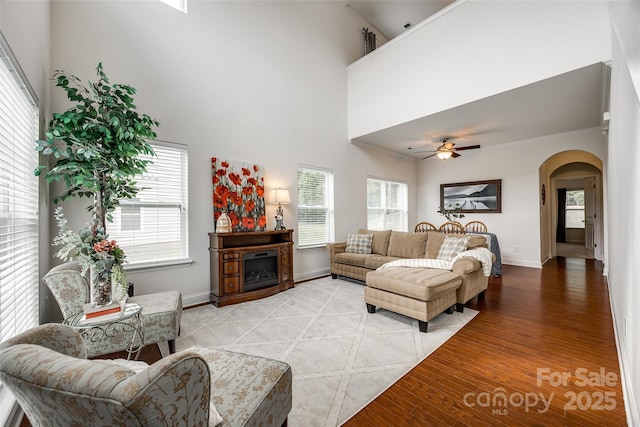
[[238, 189], [476, 196]]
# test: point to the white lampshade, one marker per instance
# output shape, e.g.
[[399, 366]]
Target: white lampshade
[[444, 155], [280, 196]]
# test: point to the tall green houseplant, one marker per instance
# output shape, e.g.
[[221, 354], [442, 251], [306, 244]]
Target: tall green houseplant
[[97, 144]]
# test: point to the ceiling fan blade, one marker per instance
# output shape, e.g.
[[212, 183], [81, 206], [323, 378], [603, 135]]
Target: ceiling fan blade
[[424, 158], [454, 155], [470, 147]]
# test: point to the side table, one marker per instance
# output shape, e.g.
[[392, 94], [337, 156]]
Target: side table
[[104, 327]]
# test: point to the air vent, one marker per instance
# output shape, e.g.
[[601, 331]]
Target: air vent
[[408, 25]]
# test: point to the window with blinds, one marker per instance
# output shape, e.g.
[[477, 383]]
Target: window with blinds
[[153, 228], [387, 205], [19, 279], [315, 206]]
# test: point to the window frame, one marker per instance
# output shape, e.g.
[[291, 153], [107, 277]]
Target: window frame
[[573, 208], [181, 203], [383, 202], [328, 206], [19, 94]]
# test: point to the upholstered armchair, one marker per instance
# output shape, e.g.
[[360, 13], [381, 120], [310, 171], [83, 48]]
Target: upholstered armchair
[[161, 311], [46, 371]]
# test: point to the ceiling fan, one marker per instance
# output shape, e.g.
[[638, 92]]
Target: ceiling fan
[[447, 149]]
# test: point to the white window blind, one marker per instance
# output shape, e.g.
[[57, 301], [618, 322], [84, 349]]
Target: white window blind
[[153, 228], [387, 205], [19, 279], [315, 206]]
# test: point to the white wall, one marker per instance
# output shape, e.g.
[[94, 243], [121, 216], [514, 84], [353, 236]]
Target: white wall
[[476, 49], [517, 165], [261, 82], [624, 199]]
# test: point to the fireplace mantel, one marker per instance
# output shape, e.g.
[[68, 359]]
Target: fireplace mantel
[[227, 270]]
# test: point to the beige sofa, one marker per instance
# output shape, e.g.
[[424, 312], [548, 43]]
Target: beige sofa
[[388, 246]]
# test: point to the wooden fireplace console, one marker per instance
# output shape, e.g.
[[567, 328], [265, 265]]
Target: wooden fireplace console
[[226, 252]]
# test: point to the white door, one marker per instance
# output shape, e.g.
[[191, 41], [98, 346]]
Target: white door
[[589, 214]]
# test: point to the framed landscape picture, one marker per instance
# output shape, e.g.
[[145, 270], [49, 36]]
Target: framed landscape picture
[[476, 196]]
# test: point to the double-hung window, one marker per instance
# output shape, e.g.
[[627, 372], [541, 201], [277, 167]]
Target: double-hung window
[[387, 205], [18, 200], [19, 278], [153, 228], [315, 206]]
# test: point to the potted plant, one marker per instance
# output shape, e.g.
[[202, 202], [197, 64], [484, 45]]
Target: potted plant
[[97, 145], [451, 214]]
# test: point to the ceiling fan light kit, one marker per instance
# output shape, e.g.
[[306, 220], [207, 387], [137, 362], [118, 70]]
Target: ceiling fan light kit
[[444, 155], [448, 150]]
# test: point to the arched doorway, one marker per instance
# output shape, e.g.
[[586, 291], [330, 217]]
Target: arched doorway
[[573, 170]]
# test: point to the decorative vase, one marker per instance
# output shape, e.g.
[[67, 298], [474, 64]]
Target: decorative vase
[[223, 225], [100, 287]]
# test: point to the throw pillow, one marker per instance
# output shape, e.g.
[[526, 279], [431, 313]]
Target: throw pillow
[[359, 243], [452, 246]]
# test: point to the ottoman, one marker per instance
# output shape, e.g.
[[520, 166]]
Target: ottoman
[[161, 317], [419, 293], [248, 390]]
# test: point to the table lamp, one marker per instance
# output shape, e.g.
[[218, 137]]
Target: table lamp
[[281, 197]]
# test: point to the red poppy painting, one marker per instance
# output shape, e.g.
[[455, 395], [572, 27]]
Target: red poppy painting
[[238, 189]]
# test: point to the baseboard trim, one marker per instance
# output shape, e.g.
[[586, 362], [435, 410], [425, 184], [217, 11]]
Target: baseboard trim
[[627, 390], [522, 262], [201, 298]]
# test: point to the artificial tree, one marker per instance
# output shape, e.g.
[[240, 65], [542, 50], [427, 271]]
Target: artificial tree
[[97, 144]]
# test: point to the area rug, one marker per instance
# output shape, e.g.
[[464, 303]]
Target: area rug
[[341, 356]]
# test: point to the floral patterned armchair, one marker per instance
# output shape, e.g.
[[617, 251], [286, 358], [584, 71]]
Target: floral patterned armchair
[[161, 311], [47, 373]]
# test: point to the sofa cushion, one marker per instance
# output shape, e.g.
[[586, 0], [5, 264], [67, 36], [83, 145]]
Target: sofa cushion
[[452, 246], [434, 241], [348, 258], [359, 243], [373, 262], [425, 284], [407, 245], [380, 242]]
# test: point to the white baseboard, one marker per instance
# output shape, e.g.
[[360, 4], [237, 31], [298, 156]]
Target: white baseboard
[[522, 262], [195, 299], [308, 275], [203, 297], [627, 390]]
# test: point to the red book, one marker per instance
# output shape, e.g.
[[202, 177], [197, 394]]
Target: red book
[[90, 312], [103, 312]]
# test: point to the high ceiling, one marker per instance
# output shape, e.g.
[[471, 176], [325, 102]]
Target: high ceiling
[[563, 103]]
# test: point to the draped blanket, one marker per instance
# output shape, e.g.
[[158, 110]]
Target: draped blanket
[[481, 254]]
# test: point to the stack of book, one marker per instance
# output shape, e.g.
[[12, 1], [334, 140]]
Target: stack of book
[[101, 314]]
